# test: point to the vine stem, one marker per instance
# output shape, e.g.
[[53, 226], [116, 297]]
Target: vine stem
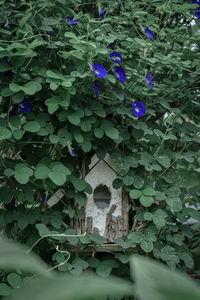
[[54, 235]]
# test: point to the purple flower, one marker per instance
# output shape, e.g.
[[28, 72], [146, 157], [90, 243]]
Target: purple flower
[[120, 73], [119, 5], [13, 202], [99, 70], [116, 57], [149, 79], [5, 23], [197, 13], [138, 108], [71, 21], [102, 13], [97, 87], [44, 199], [196, 1], [14, 110], [124, 99], [25, 106], [72, 152], [149, 33], [111, 45], [6, 61]]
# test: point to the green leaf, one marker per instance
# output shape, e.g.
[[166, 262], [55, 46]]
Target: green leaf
[[135, 194], [14, 280], [112, 133], [42, 172], [146, 201], [99, 133], [43, 229], [5, 133], [31, 88], [96, 238], [175, 204], [32, 126], [18, 134], [148, 191], [77, 288], [147, 246], [103, 270], [78, 183], [58, 178], [4, 67], [159, 280], [159, 218], [165, 161], [74, 118], [14, 256], [5, 290], [54, 139]]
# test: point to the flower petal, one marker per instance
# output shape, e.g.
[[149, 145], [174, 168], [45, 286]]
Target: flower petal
[[197, 13], [149, 33], [102, 13], [99, 70], [25, 106], [71, 21], [97, 87], [120, 73], [149, 79], [116, 57], [138, 108]]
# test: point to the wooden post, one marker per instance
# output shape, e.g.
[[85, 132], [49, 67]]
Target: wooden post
[[109, 215]]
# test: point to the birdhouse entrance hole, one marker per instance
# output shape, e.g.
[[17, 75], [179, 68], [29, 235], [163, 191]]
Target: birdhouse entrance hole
[[102, 196]]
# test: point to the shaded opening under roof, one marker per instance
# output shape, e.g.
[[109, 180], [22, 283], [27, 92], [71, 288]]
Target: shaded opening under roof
[[102, 196]]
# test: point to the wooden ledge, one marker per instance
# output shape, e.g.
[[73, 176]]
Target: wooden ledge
[[102, 248]]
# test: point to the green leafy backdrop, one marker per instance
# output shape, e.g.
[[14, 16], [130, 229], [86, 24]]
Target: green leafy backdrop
[[49, 62]]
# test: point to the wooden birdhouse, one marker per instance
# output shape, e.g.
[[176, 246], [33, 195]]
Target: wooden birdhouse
[[107, 208]]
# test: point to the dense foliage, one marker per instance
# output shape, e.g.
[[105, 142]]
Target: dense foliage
[[58, 108], [161, 283]]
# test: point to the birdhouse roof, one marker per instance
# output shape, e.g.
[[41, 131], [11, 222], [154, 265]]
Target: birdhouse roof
[[108, 161]]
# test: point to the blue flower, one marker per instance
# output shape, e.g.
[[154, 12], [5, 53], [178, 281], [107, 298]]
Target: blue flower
[[72, 152], [14, 110], [102, 13], [111, 45], [197, 13], [44, 199], [149, 33], [25, 106], [196, 1], [99, 70], [6, 61], [138, 108], [49, 32], [5, 23], [149, 79], [13, 202], [119, 5], [116, 57], [120, 73], [97, 87], [71, 21], [124, 99]]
